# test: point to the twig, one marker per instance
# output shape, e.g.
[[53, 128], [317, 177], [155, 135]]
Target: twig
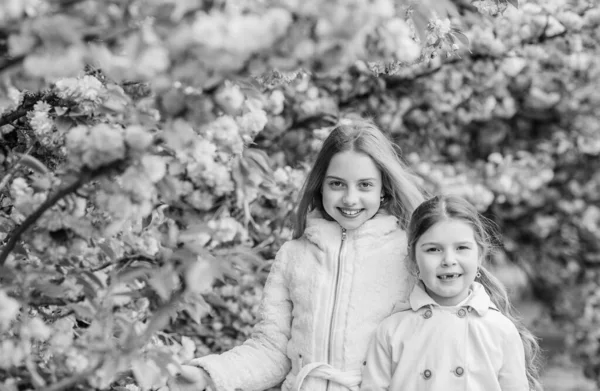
[[14, 169], [86, 176], [47, 301], [131, 258], [11, 62], [66, 383], [29, 100], [13, 115]]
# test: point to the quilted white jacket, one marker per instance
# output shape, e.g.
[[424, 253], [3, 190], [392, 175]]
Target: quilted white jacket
[[324, 297]]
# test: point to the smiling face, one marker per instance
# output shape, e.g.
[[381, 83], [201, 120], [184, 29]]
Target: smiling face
[[447, 258], [352, 189]]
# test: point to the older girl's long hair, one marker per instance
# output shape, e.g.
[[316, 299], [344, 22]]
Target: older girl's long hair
[[447, 207], [401, 192]]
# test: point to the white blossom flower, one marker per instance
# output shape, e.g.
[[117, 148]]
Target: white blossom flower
[[9, 309], [21, 44], [251, 123], [201, 200], [224, 229], [20, 189], [137, 184], [39, 120], [219, 178], [105, 144], [280, 175], [76, 141], [155, 167], [85, 88], [137, 137], [571, 20], [11, 354], [36, 328], [226, 134], [276, 102], [55, 64], [76, 361], [15, 96], [153, 61], [230, 97], [203, 149]]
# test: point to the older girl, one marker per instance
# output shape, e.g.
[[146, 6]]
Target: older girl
[[330, 286]]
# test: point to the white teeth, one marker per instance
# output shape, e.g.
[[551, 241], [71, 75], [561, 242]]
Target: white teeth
[[448, 276], [350, 212]]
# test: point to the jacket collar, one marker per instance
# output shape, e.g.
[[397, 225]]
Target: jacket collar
[[321, 231], [479, 300]]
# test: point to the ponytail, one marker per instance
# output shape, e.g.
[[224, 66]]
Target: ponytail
[[499, 297]]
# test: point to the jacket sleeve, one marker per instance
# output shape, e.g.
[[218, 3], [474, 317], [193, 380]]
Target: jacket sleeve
[[378, 368], [260, 362], [513, 375]]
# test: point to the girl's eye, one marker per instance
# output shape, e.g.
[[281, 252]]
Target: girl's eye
[[336, 184], [464, 248], [432, 250], [365, 185]]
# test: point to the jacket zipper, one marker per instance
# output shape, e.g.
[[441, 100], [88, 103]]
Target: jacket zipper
[[335, 296]]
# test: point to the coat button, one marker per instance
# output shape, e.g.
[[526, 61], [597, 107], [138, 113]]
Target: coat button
[[462, 313], [427, 314], [459, 371], [426, 374]]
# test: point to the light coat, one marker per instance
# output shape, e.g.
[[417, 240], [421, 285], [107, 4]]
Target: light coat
[[322, 302], [471, 347]]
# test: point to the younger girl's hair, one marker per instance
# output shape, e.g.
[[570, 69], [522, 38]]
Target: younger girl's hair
[[401, 192], [448, 207]]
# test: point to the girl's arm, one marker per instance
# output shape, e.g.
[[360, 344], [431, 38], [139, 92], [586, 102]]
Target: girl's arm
[[513, 375], [260, 362], [378, 368]]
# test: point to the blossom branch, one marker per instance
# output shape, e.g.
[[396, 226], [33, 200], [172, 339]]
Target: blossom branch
[[85, 176], [29, 100], [67, 383]]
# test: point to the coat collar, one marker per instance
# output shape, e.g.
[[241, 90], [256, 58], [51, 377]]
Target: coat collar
[[479, 300], [322, 231]]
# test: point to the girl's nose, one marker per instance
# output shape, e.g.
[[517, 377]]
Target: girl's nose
[[448, 259], [349, 198]]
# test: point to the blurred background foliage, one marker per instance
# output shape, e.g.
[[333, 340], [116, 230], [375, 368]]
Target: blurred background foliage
[[177, 159]]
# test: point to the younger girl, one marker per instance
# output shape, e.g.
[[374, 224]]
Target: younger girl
[[331, 286], [457, 331]]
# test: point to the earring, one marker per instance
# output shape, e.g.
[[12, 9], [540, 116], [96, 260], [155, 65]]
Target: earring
[[382, 198], [418, 275], [478, 275]]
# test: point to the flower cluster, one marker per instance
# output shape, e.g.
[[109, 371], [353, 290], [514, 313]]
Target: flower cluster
[[95, 146]]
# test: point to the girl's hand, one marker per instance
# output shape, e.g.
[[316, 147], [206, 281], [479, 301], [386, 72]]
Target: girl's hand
[[190, 379]]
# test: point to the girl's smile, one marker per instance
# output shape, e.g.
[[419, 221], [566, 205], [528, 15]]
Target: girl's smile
[[350, 213], [449, 277], [351, 189], [447, 258]]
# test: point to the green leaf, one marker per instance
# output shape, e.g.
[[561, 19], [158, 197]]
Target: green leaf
[[146, 373], [88, 289], [196, 310], [460, 36], [64, 123], [33, 164], [163, 282], [52, 290], [83, 310], [105, 247]]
